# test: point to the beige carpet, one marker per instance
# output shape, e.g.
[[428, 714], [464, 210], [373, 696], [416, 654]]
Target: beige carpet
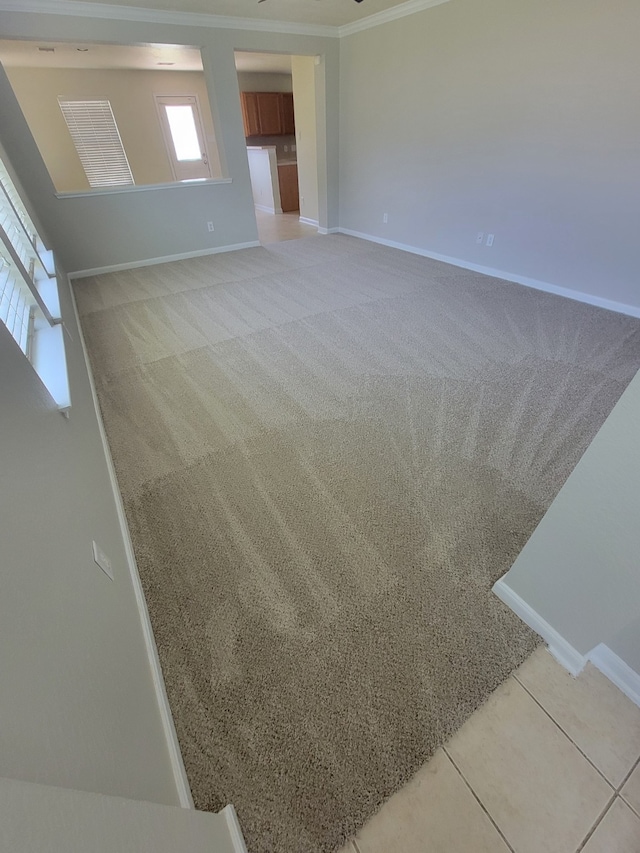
[[328, 452]]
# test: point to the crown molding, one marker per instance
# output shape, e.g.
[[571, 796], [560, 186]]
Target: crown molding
[[384, 17], [111, 12], [107, 11]]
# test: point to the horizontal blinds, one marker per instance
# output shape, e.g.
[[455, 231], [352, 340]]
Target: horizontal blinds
[[17, 304], [95, 135], [15, 202]]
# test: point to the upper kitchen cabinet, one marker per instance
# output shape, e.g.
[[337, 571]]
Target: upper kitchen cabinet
[[267, 113], [286, 113], [249, 102]]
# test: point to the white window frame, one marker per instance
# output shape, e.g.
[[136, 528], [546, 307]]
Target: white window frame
[[184, 171], [29, 304], [96, 138]]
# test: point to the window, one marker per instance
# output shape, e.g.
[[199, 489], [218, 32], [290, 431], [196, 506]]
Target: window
[[28, 293], [184, 137], [16, 305], [97, 140]]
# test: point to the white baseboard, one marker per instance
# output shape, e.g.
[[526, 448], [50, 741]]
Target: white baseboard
[[561, 649], [173, 746], [265, 209], [617, 671], [306, 221], [578, 296], [233, 824], [325, 231], [149, 262]]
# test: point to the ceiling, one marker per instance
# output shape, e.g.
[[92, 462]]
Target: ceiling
[[273, 63], [29, 54], [327, 12], [151, 57]]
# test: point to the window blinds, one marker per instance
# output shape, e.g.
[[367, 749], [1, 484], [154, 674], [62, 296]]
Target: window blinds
[[16, 303], [97, 140]]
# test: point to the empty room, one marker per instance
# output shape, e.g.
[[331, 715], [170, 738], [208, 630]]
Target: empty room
[[319, 409]]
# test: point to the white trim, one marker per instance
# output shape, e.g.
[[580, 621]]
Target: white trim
[[139, 189], [106, 11], [561, 649], [306, 221], [617, 671], [76, 8], [325, 231], [173, 746], [149, 262], [266, 209], [577, 295], [400, 11], [233, 825]]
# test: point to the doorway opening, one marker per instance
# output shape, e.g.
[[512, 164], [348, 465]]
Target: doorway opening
[[278, 99]]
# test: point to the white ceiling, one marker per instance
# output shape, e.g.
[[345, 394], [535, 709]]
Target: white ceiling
[[273, 63], [328, 12], [27, 54]]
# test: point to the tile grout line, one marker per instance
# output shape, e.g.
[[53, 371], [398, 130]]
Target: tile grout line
[[568, 737], [597, 823], [623, 783], [626, 778], [478, 800]]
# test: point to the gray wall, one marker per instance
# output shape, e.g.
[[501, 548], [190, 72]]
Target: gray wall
[[42, 819], [515, 117], [93, 232], [581, 568], [77, 703]]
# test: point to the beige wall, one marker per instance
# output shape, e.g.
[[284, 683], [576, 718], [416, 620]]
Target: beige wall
[[512, 117], [304, 99], [131, 94], [260, 81]]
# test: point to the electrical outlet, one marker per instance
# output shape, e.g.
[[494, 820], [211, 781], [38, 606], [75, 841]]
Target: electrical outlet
[[490, 239], [286, 148], [210, 226], [480, 238], [385, 218], [102, 560], [293, 147]]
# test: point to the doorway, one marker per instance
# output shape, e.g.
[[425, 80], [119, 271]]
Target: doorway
[[278, 99]]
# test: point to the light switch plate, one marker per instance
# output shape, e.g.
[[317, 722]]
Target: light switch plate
[[102, 560]]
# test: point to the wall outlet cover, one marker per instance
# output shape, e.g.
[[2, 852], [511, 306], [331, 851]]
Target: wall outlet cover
[[102, 560]]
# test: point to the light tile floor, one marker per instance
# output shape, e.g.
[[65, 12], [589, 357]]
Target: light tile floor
[[550, 764], [274, 227]]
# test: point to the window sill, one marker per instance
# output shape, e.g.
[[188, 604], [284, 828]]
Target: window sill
[[49, 360], [145, 188]]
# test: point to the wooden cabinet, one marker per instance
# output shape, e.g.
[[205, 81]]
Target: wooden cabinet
[[267, 113], [250, 117], [288, 181], [286, 113]]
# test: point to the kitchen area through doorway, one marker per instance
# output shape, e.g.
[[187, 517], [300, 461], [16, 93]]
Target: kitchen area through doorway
[[277, 95]]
